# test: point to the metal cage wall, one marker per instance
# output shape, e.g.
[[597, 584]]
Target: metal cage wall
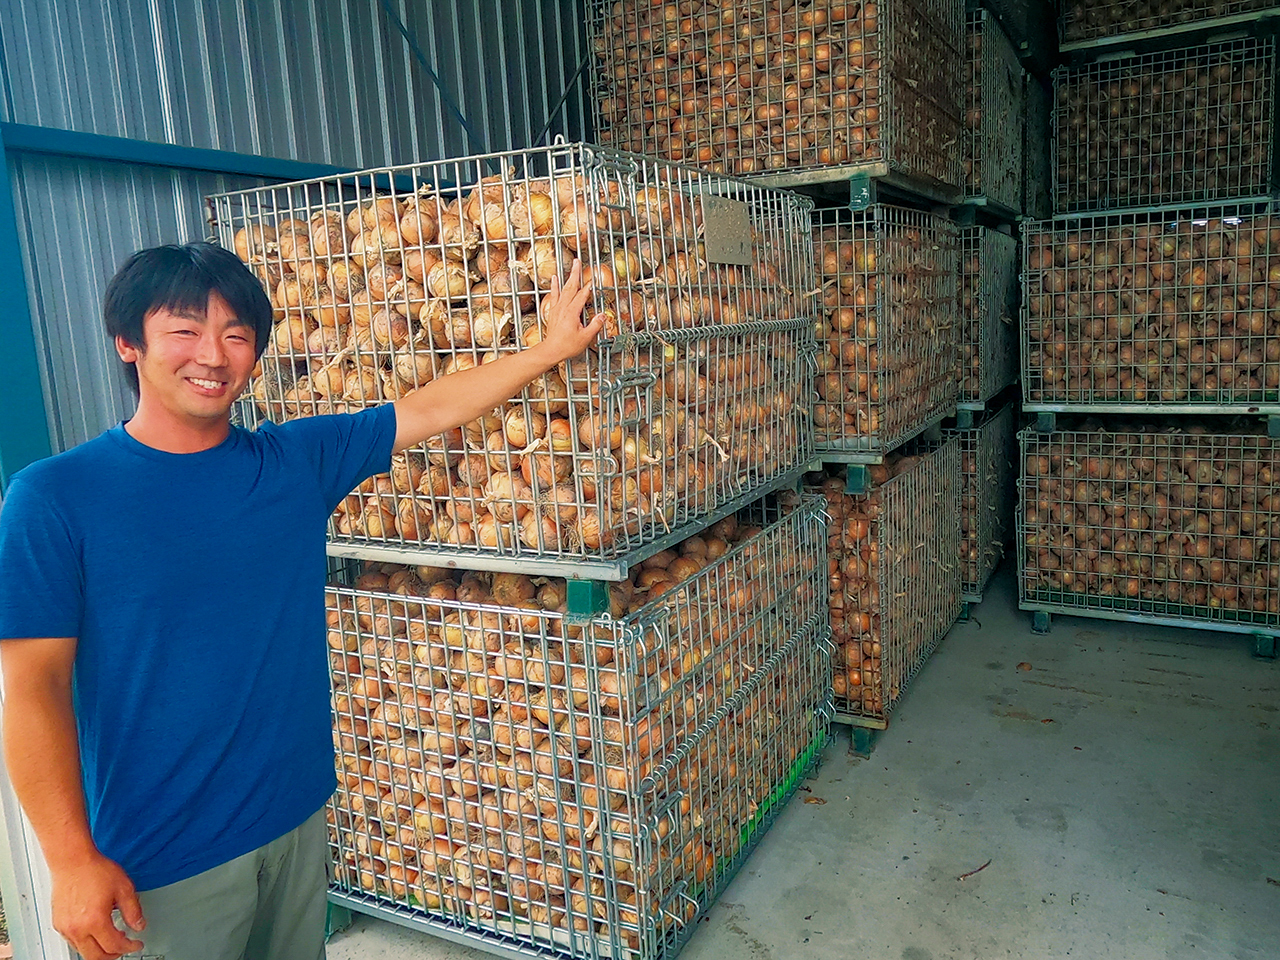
[[887, 326], [1166, 527], [1185, 126], [993, 116], [988, 491], [1169, 311], [766, 88], [577, 790], [894, 561], [694, 402], [988, 350]]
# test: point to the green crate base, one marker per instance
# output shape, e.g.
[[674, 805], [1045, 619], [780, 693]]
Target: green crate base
[[1231, 621]]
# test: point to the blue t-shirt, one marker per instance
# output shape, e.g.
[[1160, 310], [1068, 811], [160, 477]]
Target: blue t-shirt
[[195, 586]]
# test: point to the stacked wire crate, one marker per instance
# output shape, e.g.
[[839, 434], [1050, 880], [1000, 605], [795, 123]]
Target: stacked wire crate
[[569, 747], [1150, 307], [862, 106], [987, 359], [888, 280], [802, 93], [893, 563]]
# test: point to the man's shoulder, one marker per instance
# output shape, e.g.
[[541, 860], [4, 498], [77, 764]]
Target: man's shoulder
[[80, 464]]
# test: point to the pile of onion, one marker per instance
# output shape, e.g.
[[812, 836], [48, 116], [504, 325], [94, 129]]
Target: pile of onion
[[473, 777], [1091, 19], [1169, 514], [891, 584], [773, 85], [1186, 126], [886, 325], [377, 298], [1153, 311]]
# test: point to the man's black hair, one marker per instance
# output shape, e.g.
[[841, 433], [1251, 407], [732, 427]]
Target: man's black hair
[[180, 278]]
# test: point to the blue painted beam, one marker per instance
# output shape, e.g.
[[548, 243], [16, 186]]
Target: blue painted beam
[[29, 138], [24, 426]]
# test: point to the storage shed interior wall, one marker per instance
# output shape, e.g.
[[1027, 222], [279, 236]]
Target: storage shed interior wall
[[334, 82]]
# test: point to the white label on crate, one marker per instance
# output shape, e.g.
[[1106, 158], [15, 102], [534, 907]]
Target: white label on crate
[[726, 230]]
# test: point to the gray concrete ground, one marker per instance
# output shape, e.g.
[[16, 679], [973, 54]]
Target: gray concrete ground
[[1125, 791]]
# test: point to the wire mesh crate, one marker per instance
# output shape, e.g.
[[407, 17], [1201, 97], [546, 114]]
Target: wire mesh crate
[[993, 116], [988, 350], [580, 791], [1173, 310], [1153, 524], [886, 326], [1037, 185], [893, 557], [988, 489], [775, 86], [1178, 127], [696, 398], [1080, 21], [1183, 126]]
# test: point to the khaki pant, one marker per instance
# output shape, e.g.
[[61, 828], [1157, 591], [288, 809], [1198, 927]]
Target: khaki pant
[[266, 905]]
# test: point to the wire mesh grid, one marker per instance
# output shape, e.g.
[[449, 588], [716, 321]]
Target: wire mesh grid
[[1182, 526], [698, 394], [993, 115], [886, 325], [1037, 176], [1166, 310], [893, 559], [773, 85], [576, 790], [1184, 126], [1090, 20], [988, 350], [988, 490]]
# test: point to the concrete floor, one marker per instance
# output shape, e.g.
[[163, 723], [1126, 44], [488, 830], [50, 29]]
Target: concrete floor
[[1125, 789]]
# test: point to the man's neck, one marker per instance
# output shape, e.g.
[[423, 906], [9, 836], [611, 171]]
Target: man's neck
[[164, 431]]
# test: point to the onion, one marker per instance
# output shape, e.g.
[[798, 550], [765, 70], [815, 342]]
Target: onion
[[448, 280]]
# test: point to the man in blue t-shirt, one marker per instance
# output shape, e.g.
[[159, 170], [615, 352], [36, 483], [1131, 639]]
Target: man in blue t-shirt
[[166, 713]]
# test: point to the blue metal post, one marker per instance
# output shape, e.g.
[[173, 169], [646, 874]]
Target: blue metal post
[[24, 425]]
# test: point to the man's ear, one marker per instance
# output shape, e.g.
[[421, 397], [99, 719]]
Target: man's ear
[[127, 351]]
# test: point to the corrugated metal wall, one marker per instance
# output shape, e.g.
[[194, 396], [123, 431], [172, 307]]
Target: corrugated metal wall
[[325, 81]]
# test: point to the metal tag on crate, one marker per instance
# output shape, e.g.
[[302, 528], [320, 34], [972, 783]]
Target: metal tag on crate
[[726, 230]]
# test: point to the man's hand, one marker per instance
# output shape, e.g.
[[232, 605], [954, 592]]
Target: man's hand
[[561, 310], [84, 895]]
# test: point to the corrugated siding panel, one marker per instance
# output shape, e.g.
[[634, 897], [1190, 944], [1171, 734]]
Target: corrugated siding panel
[[331, 82], [80, 221]]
